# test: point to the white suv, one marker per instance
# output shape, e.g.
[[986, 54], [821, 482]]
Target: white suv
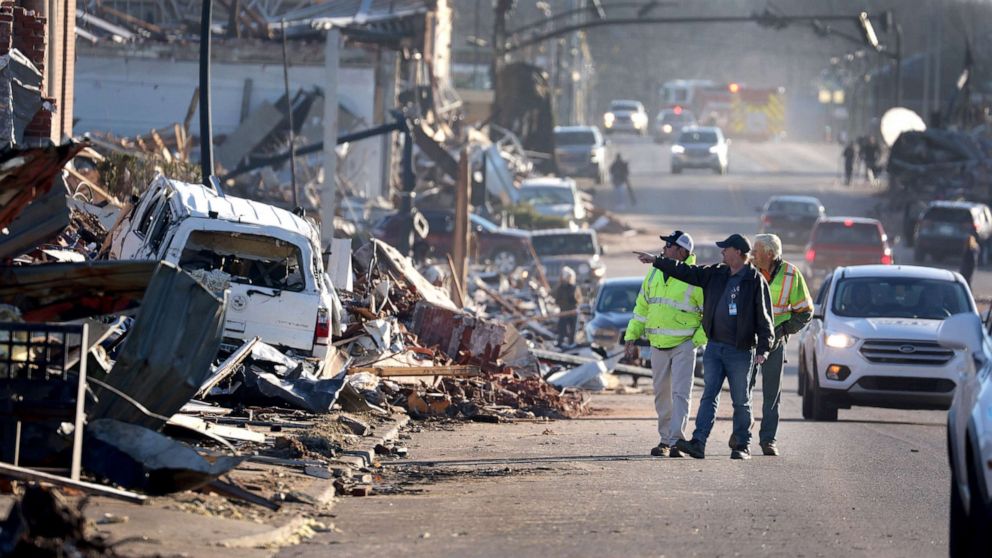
[[873, 340], [969, 436]]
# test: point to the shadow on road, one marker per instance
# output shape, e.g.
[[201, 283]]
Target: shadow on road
[[513, 460]]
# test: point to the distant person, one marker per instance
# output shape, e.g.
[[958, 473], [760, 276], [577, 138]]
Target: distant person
[[849, 154], [969, 258], [568, 297], [620, 178], [870, 155]]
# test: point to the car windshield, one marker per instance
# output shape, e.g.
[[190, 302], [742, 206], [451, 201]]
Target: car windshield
[[793, 207], [708, 138], [864, 234], [623, 105], [486, 224], [673, 118], [948, 215], [547, 195], [900, 297], [575, 137], [564, 244], [618, 298]]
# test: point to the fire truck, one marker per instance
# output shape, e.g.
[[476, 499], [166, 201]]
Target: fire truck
[[755, 113]]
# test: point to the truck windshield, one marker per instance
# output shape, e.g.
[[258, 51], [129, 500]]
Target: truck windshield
[[249, 259], [564, 244], [900, 297]]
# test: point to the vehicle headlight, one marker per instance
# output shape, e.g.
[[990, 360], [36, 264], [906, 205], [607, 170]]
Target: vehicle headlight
[[608, 119], [639, 118], [667, 128], [714, 149], [678, 149], [584, 269], [840, 340]]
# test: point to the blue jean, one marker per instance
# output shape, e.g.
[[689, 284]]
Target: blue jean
[[725, 361]]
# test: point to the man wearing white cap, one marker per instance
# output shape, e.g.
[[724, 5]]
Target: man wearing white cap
[[669, 313]]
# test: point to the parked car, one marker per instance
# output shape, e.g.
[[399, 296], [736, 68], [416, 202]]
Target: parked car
[[969, 436], [843, 241], [873, 340], [668, 123], [944, 228], [501, 247], [579, 250], [612, 310], [791, 217], [580, 151], [626, 116], [554, 197], [271, 257], [700, 148]]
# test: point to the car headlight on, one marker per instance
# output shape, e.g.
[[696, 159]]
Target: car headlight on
[[667, 128], [608, 119], [840, 340], [715, 149], [678, 150]]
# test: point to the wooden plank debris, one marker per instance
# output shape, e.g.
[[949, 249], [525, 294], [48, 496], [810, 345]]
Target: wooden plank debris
[[21, 473], [458, 371]]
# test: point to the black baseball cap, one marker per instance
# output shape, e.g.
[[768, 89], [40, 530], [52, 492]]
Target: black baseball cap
[[736, 241]]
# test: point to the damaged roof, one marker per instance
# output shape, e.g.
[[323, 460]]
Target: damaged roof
[[199, 201]]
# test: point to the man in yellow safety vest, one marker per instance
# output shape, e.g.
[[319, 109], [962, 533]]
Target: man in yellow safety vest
[[669, 313], [792, 309]]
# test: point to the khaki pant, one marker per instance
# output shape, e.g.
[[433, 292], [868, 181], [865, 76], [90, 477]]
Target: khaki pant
[[672, 373]]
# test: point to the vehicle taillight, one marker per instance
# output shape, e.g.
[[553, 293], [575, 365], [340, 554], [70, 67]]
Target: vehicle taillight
[[887, 259], [322, 330], [810, 255]]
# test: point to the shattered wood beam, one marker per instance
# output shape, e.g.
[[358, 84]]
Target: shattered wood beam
[[495, 296], [466, 371], [21, 473]]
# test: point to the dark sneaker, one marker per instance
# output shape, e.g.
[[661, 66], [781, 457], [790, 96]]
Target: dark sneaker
[[693, 448], [769, 448], [674, 451], [733, 441], [661, 450], [741, 453]]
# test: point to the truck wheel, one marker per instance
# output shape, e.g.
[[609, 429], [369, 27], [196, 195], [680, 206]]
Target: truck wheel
[[504, 261], [676, 170]]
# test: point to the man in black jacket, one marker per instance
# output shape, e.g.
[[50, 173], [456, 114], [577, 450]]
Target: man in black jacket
[[737, 319]]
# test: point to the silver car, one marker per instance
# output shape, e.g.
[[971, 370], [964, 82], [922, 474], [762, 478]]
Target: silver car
[[580, 151], [701, 148], [969, 436], [553, 197]]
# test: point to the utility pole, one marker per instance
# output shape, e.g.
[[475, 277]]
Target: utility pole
[[328, 190], [206, 125], [289, 111]]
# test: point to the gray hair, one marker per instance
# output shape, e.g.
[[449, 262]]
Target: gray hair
[[771, 242]]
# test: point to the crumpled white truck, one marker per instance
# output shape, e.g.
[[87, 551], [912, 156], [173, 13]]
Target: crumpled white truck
[[267, 258]]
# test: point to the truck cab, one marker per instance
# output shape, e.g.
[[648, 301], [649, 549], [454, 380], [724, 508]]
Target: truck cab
[[266, 258]]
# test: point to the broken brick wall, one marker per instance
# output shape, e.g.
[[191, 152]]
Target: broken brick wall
[[24, 29]]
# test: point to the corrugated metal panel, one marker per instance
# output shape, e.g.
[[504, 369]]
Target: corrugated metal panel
[[167, 354]]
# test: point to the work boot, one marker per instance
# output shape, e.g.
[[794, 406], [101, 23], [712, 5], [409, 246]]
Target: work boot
[[661, 450], [769, 448], [742, 452], [693, 448]]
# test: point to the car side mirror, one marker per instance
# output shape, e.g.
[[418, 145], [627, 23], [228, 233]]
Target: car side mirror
[[602, 250], [961, 332]]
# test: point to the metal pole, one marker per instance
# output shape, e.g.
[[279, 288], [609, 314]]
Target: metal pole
[[206, 126], [407, 195], [328, 190], [289, 110], [898, 65]]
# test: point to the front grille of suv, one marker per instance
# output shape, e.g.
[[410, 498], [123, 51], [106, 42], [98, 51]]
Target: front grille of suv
[[923, 385], [896, 351]]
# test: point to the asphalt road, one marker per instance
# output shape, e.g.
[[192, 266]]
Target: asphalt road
[[875, 483]]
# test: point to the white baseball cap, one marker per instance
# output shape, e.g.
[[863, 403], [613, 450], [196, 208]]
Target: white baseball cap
[[680, 238]]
